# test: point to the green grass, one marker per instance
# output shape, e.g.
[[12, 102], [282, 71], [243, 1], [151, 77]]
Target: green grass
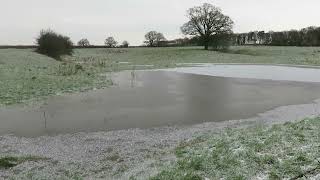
[[26, 75], [278, 152], [12, 161]]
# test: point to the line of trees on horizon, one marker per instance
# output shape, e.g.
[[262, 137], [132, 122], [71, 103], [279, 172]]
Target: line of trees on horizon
[[110, 42], [152, 39], [309, 36]]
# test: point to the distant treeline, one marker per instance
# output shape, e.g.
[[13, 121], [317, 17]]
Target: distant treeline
[[171, 43], [33, 47], [309, 36], [17, 46], [195, 41]]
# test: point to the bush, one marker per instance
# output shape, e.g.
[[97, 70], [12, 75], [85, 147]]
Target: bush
[[54, 45]]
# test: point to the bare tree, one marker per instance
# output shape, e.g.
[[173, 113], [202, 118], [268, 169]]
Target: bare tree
[[125, 44], [206, 21], [151, 38], [110, 42], [154, 38], [84, 42]]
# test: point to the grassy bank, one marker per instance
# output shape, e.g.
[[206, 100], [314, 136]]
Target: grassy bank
[[285, 151], [288, 151], [26, 75]]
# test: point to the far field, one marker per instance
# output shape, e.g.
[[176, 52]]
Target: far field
[[26, 75]]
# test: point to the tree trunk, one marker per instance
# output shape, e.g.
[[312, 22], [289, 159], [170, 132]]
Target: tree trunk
[[206, 43]]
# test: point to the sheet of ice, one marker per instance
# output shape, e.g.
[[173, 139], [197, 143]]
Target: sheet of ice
[[271, 72]]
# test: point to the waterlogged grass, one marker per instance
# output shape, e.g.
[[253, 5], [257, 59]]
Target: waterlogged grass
[[288, 151], [26, 75]]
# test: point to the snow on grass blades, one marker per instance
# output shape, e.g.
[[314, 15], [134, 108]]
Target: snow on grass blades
[[278, 152]]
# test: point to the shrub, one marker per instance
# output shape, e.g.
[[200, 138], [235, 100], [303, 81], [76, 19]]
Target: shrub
[[54, 45]]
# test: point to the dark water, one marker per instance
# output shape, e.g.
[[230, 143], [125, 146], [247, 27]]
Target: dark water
[[153, 99]]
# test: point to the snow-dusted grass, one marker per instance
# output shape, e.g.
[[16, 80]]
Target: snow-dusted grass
[[26, 75], [169, 57], [278, 152]]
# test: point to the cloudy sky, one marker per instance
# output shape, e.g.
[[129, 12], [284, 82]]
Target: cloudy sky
[[21, 20]]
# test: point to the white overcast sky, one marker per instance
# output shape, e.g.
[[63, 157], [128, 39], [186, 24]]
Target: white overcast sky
[[21, 20]]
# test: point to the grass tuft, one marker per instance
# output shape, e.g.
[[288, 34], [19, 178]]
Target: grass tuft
[[11, 161]]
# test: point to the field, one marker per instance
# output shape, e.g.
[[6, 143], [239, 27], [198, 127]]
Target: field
[[258, 151], [27, 76]]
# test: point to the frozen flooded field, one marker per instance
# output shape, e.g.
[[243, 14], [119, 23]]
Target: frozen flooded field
[[148, 99]]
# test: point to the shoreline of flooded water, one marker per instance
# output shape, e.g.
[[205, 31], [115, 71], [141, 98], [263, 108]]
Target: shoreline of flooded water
[[132, 146]]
